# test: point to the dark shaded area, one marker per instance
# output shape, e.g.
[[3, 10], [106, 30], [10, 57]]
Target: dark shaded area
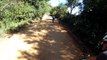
[[90, 26]]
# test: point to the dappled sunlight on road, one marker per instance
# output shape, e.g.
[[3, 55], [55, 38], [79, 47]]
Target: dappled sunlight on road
[[41, 41], [12, 47]]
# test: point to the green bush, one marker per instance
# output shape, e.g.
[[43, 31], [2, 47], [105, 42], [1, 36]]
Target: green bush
[[13, 15], [16, 13]]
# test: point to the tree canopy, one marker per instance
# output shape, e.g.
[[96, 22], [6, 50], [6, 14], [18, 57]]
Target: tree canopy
[[90, 26]]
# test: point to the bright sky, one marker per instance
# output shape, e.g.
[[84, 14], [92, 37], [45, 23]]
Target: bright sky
[[56, 2], [76, 10]]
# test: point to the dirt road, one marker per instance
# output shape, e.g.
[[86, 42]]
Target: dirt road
[[40, 41]]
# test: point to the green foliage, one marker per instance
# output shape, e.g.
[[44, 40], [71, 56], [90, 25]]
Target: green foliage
[[91, 24], [59, 11], [41, 6], [72, 4], [16, 13]]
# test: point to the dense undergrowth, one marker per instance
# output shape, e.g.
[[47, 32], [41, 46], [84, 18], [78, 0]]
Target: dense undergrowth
[[16, 13], [90, 26]]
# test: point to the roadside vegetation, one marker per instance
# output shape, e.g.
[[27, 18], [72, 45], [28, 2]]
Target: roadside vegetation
[[90, 25], [17, 13]]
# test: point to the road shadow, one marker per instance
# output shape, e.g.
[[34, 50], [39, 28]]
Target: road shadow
[[49, 41]]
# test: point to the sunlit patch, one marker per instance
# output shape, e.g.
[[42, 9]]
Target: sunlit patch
[[44, 31], [12, 47], [40, 33], [33, 51], [67, 55], [51, 41], [31, 31], [22, 35], [35, 33], [17, 43], [35, 25], [63, 31], [57, 27], [35, 46], [39, 38]]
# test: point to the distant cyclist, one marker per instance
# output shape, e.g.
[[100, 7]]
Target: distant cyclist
[[53, 19]]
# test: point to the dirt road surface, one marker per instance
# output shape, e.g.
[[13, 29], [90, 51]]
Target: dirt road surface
[[40, 41]]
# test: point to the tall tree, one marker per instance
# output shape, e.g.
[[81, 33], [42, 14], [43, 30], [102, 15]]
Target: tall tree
[[91, 24], [41, 6], [72, 4]]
